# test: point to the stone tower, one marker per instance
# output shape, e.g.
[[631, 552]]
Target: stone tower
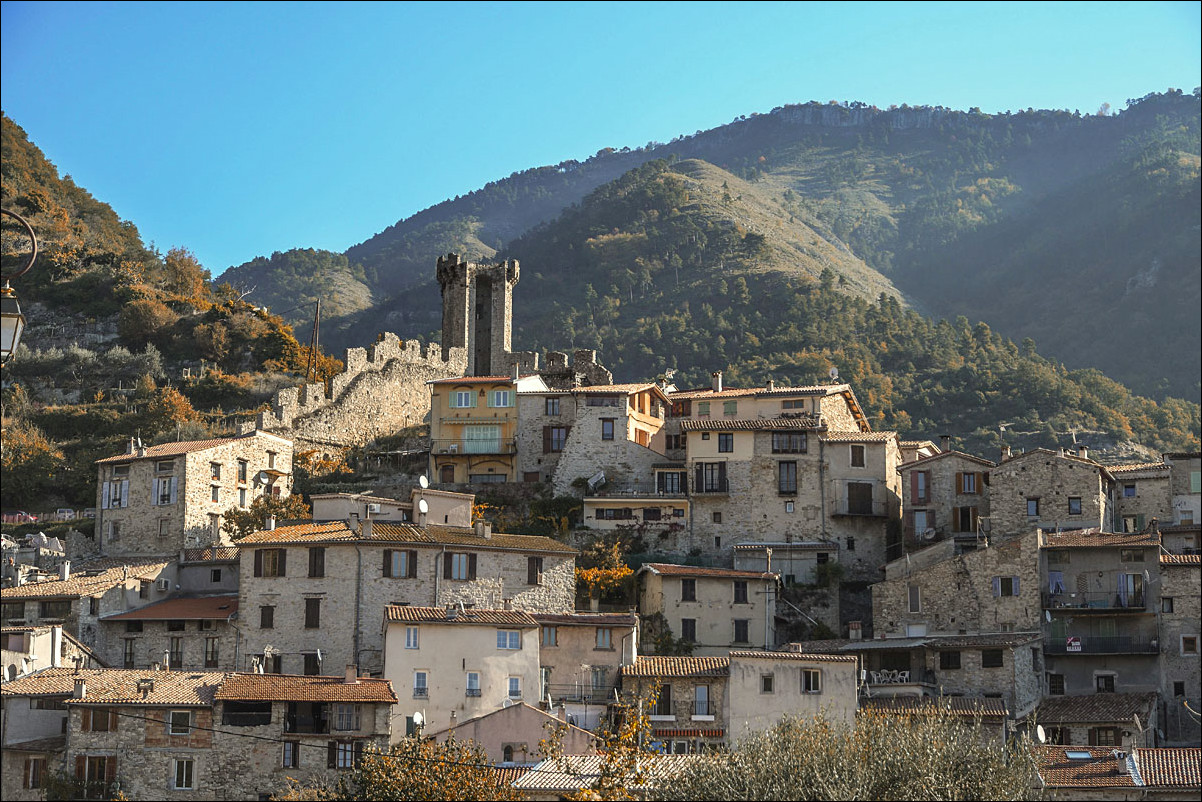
[[477, 312]]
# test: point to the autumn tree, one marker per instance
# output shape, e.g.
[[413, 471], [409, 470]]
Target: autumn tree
[[238, 522], [29, 462]]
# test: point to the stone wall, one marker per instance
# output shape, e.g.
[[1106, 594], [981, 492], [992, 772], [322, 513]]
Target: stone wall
[[942, 495], [155, 638], [1052, 478], [1180, 582], [382, 389], [585, 453]]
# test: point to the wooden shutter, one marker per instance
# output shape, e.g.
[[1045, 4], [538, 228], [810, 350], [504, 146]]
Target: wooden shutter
[[104, 496], [358, 752], [110, 770], [125, 493], [81, 767], [997, 586], [283, 562], [956, 516], [332, 755], [534, 567], [113, 721], [446, 565], [721, 475], [980, 482], [387, 563], [85, 720], [413, 564], [1093, 736], [546, 439], [471, 566], [908, 522], [914, 487], [258, 562], [972, 512], [1014, 580], [959, 482]]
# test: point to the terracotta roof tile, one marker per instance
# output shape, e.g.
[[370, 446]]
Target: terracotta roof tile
[[707, 392], [384, 532], [293, 688], [453, 615], [956, 705], [575, 772], [1139, 468], [211, 554], [944, 455], [669, 569], [1096, 539], [749, 424], [797, 545], [119, 686], [1181, 559], [475, 380], [859, 437], [655, 666], [175, 449], [182, 608], [87, 579], [977, 641], [609, 389], [1101, 708], [587, 619], [1100, 770], [760, 654], [1169, 768]]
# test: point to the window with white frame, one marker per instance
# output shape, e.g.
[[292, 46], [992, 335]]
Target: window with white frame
[[346, 717], [509, 639], [473, 683], [421, 690], [515, 687], [811, 680], [164, 491], [605, 638], [291, 756], [180, 722], [345, 755], [1189, 645], [411, 641], [463, 399], [185, 774], [501, 398]]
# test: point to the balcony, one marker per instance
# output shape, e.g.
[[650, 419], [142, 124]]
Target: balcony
[[1087, 644], [491, 446], [711, 487], [861, 507], [635, 490], [472, 692], [1098, 602], [421, 693], [580, 692], [697, 710]]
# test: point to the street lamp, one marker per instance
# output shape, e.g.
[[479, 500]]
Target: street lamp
[[12, 322]]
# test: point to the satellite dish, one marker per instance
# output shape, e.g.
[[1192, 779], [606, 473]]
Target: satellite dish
[[418, 719], [423, 481], [833, 373], [929, 534], [1048, 615], [264, 477], [422, 506], [1040, 735]]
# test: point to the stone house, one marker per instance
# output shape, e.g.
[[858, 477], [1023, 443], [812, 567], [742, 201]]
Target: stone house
[[580, 655], [945, 495], [442, 506], [764, 686], [1180, 622], [182, 633], [715, 609], [914, 450], [452, 664], [691, 706], [1123, 720], [207, 572], [1142, 494], [1102, 774], [33, 724], [510, 735], [81, 594], [937, 591], [26, 649], [157, 500], [1100, 611], [1186, 486], [324, 585], [1050, 490], [1181, 538], [474, 427]]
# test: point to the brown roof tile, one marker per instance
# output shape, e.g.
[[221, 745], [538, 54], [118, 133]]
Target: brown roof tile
[[656, 666], [859, 437], [1181, 559], [1139, 468], [804, 422], [293, 688], [211, 554], [453, 615], [175, 449], [577, 772], [475, 380], [1101, 708], [1101, 770], [670, 569], [1169, 768], [87, 579], [119, 686], [761, 654], [944, 455], [182, 608], [610, 389], [587, 619], [384, 532], [956, 705], [1094, 538]]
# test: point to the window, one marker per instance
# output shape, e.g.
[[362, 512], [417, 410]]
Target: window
[[1005, 586], [312, 613], [473, 682], [241, 470], [1178, 689], [271, 562], [703, 409], [291, 758], [54, 609], [500, 398], [811, 680], [857, 456], [949, 661], [991, 658], [740, 591], [651, 513], [215, 575], [212, 652], [1055, 684], [607, 428], [184, 774], [98, 720], [1189, 645], [515, 687], [767, 683], [179, 722], [920, 485], [35, 768], [534, 570], [1104, 683], [317, 561], [420, 688], [663, 702], [164, 491], [550, 636], [968, 483], [1074, 505], [1033, 508], [411, 638], [115, 494], [216, 493], [789, 442], [133, 626], [675, 442], [711, 477], [312, 664], [1129, 490], [509, 639], [459, 566], [605, 638], [726, 442], [47, 703], [400, 564], [552, 406], [717, 517], [786, 478], [688, 590], [1166, 604], [463, 399], [915, 598], [346, 717], [164, 466], [554, 438], [742, 630], [730, 408], [1131, 555], [267, 617], [701, 701], [688, 630], [175, 652], [1105, 736], [1058, 556], [128, 652], [343, 754]]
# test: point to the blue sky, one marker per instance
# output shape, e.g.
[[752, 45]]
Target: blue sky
[[239, 129]]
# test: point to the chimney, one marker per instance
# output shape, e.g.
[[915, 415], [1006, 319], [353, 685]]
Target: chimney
[[771, 385], [365, 529], [484, 529], [64, 570], [1060, 451], [130, 446], [716, 379], [269, 523], [141, 449], [81, 689], [506, 604], [517, 373], [1005, 453], [945, 442], [1083, 452], [855, 630], [352, 674]]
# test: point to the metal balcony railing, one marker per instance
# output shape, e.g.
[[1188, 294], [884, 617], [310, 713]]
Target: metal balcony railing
[[580, 692], [635, 490], [1094, 601], [870, 508], [473, 692], [711, 486], [1120, 644], [697, 707], [498, 445]]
